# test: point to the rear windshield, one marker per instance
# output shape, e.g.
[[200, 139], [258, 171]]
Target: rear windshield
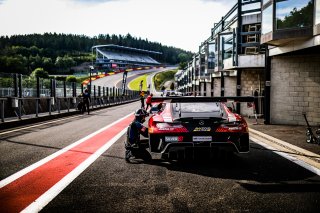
[[205, 107]]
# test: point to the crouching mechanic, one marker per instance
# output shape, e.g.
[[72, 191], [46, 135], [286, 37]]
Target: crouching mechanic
[[133, 145]]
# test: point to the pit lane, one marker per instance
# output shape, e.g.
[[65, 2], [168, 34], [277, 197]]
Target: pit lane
[[259, 181]]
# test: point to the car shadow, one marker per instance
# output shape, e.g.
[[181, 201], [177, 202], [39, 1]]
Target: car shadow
[[261, 170]]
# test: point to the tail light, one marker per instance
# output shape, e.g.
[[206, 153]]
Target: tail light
[[233, 128], [166, 128]]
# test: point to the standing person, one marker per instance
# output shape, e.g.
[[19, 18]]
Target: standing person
[[86, 100], [256, 100], [142, 99], [148, 101]]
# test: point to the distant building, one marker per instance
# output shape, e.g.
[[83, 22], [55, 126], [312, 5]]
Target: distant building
[[231, 61], [267, 48], [114, 57]]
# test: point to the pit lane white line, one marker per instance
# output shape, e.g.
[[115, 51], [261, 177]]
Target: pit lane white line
[[288, 157], [41, 124], [26, 170], [49, 195], [47, 122]]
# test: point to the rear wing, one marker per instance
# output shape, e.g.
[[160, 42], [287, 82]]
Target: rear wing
[[190, 99]]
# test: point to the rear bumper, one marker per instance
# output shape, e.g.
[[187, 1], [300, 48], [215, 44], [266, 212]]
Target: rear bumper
[[191, 146]]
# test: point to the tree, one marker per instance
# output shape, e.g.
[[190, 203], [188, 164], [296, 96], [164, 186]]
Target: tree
[[64, 62], [182, 65], [183, 57], [39, 72], [297, 17], [71, 78], [35, 62], [65, 49], [47, 63], [61, 78]]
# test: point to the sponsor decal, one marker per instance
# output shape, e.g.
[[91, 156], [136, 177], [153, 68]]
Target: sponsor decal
[[202, 129], [171, 139]]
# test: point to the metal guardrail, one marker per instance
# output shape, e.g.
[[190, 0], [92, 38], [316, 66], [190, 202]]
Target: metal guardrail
[[13, 108], [26, 97]]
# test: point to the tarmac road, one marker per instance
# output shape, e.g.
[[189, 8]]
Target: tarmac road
[[116, 79], [260, 181]]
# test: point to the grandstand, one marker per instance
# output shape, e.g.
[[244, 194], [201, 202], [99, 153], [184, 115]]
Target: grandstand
[[114, 57]]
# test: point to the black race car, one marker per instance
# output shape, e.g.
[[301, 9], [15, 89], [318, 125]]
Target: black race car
[[182, 126]]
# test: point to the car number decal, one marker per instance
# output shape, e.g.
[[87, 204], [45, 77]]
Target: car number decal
[[202, 129]]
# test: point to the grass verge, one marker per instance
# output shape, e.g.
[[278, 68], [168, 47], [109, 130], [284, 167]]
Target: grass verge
[[135, 83], [162, 77]]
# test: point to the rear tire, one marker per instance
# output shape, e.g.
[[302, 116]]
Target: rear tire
[[244, 143], [154, 143], [146, 156]]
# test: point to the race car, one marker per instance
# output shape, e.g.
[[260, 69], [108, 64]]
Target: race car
[[181, 127]]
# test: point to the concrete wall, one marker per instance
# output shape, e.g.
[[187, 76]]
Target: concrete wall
[[295, 88], [251, 79], [217, 87], [230, 86], [208, 85], [201, 89]]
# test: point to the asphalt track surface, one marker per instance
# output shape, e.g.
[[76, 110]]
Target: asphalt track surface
[[92, 176], [116, 79]]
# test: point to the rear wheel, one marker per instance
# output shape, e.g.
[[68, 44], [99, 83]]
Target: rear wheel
[[244, 143], [154, 142], [145, 155]]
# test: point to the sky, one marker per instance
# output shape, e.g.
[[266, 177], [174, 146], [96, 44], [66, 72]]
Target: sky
[[179, 23]]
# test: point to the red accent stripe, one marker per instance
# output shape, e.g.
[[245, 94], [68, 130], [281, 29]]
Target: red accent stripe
[[20, 193]]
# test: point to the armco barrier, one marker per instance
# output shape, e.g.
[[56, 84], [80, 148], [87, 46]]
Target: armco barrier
[[17, 111]]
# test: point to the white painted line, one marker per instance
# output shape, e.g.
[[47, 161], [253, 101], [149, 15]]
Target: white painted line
[[289, 157], [49, 122], [49, 195], [41, 124], [28, 169]]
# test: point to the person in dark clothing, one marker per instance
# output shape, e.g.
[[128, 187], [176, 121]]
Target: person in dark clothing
[[135, 129], [256, 95], [142, 99], [86, 101]]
